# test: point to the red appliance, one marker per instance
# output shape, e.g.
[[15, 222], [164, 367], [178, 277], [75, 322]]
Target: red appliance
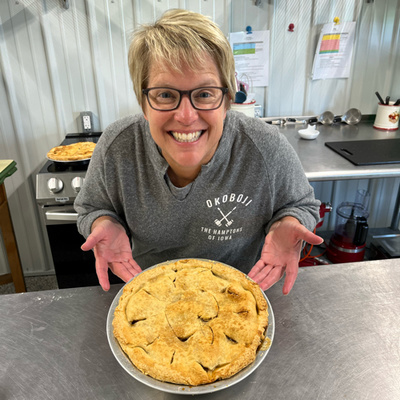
[[307, 260], [347, 244], [323, 209]]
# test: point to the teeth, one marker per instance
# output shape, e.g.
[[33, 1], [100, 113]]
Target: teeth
[[186, 137]]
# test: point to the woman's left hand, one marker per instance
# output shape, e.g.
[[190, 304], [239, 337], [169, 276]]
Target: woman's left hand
[[281, 253]]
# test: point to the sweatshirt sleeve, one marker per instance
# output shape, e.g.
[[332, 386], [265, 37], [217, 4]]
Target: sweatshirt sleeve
[[292, 194], [285, 185], [93, 200]]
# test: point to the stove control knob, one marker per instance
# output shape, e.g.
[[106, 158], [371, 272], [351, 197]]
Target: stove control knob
[[55, 185], [77, 184]]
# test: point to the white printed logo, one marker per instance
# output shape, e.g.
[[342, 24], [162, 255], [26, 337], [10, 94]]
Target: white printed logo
[[228, 222], [223, 227]]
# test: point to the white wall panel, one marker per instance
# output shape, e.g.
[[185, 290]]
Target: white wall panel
[[56, 63], [289, 66], [23, 127]]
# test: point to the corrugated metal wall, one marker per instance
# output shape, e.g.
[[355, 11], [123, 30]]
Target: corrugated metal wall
[[57, 62]]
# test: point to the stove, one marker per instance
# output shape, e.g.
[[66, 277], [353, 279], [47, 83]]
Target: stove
[[57, 185]]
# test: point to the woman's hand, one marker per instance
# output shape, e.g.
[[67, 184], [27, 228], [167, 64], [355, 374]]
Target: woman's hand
[[281, 253], [112, 249]]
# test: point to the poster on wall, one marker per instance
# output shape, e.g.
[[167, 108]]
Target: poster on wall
[[334, 51], [251, 54]]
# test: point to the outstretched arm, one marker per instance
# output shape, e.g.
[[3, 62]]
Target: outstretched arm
[[112, 249], [281, 253]]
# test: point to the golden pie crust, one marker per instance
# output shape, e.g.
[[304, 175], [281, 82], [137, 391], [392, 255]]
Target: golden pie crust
[[72, 152], [191, 321]]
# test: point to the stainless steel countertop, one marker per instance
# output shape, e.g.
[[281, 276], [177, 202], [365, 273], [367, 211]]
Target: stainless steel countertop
[[320, 163], [337, 336]]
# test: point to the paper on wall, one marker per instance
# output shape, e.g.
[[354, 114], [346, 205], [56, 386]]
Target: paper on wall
[[251, 54], [334, 51]]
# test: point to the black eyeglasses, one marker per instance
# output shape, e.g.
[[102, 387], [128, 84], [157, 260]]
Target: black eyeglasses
[[203, 98]]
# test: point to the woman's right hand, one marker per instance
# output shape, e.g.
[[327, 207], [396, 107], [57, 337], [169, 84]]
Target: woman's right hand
[[112, 249]]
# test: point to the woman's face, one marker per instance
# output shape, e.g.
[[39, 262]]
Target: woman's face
[[188, 138]]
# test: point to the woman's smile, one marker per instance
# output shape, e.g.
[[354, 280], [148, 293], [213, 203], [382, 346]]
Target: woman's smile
[[186, 137]]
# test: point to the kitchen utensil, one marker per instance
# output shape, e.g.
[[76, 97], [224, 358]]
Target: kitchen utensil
[[397, 103], [379, 98], [240, 97], [310, 133], [279, 121], [182, 389], [310, 120], [387, 117], [326, 118], [387, 100], [350, 117]]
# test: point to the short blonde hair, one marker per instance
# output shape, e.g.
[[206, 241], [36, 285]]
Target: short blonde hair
[[180, 36]]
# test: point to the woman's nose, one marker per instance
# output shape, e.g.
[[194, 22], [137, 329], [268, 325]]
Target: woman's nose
[[186, 113]]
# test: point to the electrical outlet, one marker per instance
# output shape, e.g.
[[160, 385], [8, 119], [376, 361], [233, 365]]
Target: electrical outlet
[[87, 121]]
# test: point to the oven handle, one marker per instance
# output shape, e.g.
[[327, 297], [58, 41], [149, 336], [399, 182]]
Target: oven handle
[[61, 216]]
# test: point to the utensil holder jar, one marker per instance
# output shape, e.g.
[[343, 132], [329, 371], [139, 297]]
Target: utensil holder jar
[[387, 117]]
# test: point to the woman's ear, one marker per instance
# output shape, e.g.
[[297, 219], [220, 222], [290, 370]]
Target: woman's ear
[[144, 112]]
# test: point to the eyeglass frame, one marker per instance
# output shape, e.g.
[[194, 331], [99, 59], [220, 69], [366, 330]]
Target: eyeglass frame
[[224, 91]]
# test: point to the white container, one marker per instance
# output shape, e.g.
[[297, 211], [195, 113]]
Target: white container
[[245, 108], [387, 117], [310, 133]]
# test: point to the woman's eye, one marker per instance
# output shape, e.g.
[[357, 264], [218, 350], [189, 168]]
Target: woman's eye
[[165, 95], [204, 94]]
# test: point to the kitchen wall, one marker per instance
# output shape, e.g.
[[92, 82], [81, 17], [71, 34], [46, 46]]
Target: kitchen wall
[[56, 62]]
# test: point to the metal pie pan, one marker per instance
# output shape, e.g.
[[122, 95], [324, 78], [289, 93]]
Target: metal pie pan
[[82, 160], [127, 365]]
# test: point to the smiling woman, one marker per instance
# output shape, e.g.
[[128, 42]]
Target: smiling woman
[[147, 191]]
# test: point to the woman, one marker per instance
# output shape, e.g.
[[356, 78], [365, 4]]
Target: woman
[[189, 178]]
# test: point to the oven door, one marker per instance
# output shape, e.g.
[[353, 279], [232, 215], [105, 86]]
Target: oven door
[[73, 266]]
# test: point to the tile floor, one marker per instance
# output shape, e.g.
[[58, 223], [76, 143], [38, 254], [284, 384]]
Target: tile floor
[[33, 284]]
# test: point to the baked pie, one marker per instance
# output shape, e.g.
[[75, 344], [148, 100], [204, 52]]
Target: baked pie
[[191, 321], [72, 152]]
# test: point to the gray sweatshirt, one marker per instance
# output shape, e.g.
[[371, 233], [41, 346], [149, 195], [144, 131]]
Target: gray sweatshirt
[[253, 179]]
